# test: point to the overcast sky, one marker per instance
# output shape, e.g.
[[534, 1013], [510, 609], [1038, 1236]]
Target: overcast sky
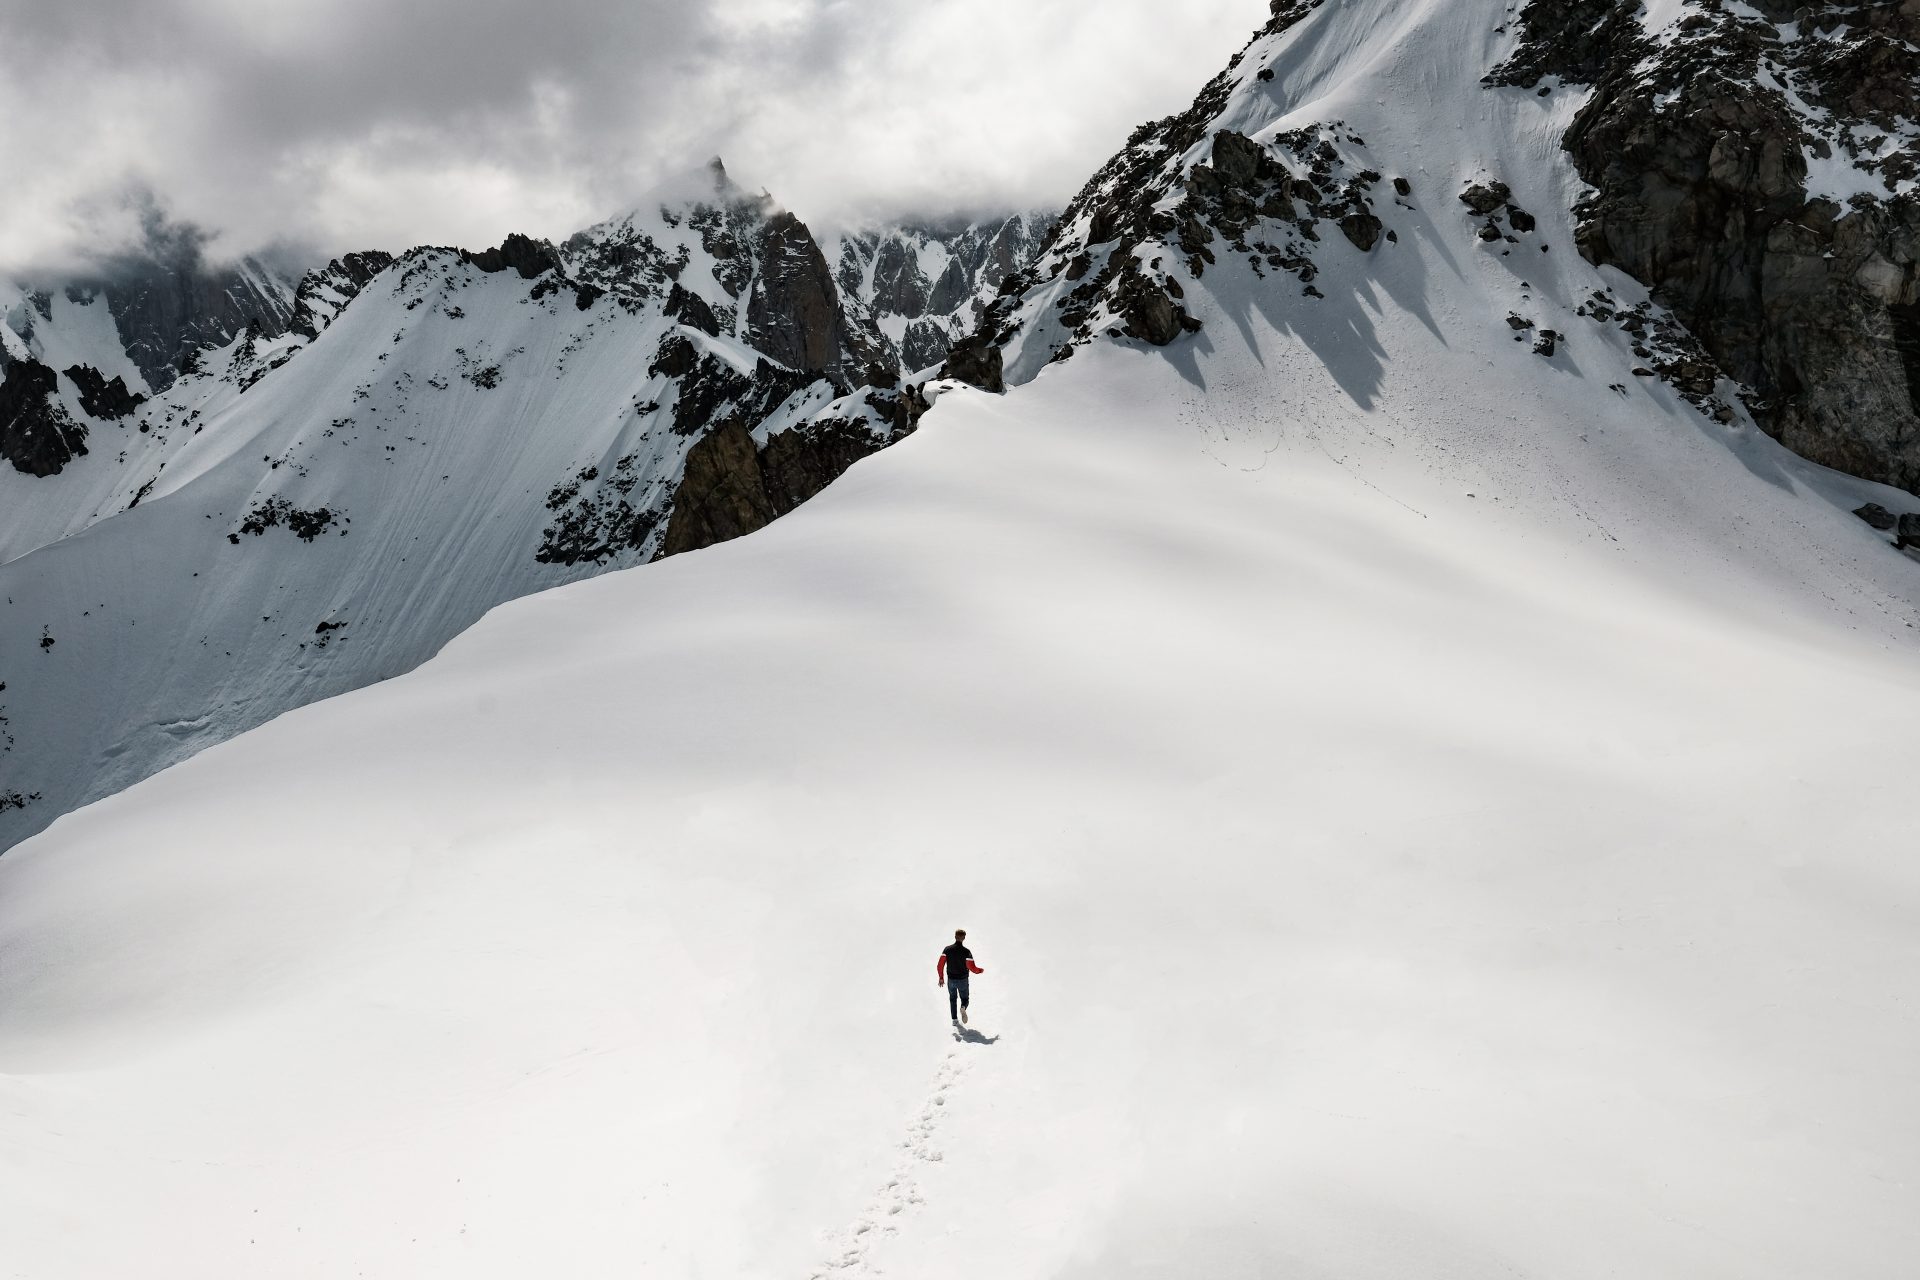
[[340, 124]]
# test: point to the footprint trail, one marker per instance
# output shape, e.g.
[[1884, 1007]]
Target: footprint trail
[[901, 1193]]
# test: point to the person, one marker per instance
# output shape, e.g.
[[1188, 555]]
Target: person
[[952, 970]]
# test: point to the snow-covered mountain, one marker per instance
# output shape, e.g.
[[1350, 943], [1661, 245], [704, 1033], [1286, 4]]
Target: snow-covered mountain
[[1752, 169], [927, 284], [323, 502], [142, 317], [1428, 796], [119, 337]]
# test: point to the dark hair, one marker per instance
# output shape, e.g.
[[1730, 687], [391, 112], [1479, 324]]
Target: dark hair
[[959, 934]]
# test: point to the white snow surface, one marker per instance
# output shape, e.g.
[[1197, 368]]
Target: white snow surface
[[1420, 812], [1369, 879]]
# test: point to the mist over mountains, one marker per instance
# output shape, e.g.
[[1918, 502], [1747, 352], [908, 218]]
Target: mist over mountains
[[353, 125]]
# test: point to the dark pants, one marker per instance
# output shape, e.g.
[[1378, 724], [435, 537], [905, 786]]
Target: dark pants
[[956, 995]]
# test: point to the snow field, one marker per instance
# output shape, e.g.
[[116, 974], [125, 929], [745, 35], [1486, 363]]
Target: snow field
[[1358, 892]]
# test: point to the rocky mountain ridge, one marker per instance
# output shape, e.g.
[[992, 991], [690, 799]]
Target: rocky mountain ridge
[[1757, 166], [324, 499], [159, 312], [928, 283], [1754, 169]]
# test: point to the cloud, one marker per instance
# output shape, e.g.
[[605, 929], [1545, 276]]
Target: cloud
[[365, 123]]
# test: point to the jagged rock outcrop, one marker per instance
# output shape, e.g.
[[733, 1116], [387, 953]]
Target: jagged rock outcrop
[[163, 310], [1147, 309], [37, 435], [166, 311], [321, 294], [721, 494], [732, 487], [794, 312], [1802, 285], [927, 284], [100, 398], [692, 310], [976, 360], [796, 465], [1877, 516], [164, 314], [775, 289], [519, 253], [1183, 194], [532, 259]]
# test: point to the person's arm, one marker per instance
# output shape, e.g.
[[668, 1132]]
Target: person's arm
[[940, 971], [974, 967]]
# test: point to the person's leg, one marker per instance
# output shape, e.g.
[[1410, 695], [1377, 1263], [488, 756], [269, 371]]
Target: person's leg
[[953, 999], [965, 984]]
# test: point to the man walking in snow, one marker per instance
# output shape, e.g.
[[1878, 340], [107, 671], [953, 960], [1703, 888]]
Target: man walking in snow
[[956, 962]]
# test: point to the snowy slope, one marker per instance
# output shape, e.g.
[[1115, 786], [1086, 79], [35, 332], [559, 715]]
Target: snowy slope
[[1419, 809], [1369, 879], [307, 513]]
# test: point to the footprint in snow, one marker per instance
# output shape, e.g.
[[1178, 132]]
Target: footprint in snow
[[901, 1191]]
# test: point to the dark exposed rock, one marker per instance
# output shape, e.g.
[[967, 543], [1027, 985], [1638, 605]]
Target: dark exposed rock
[[712, 390], [1117, 203], [795, 465], [523, 254], [675, 357], [1401, 187], [594, 527], [1483, 198], [1906, 530], [1698, 161], [1262, 199], [1361, 228], [165, 309], [1519, 219], [1150, 313], [1575, 39], [1239, 160], [1545, 343], [280, 513], [730, 488], [721, 495], [37, 435], [321, 294], [539, 261], [1877, 516], [100, 398], [975, 360], [899, 286], [923, 344], [628, 263], [794, 313], [584, 295], [950, 291], [691, 310], [1196, 235]]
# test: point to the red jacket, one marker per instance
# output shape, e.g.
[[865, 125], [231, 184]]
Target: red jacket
[[941, 967]]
